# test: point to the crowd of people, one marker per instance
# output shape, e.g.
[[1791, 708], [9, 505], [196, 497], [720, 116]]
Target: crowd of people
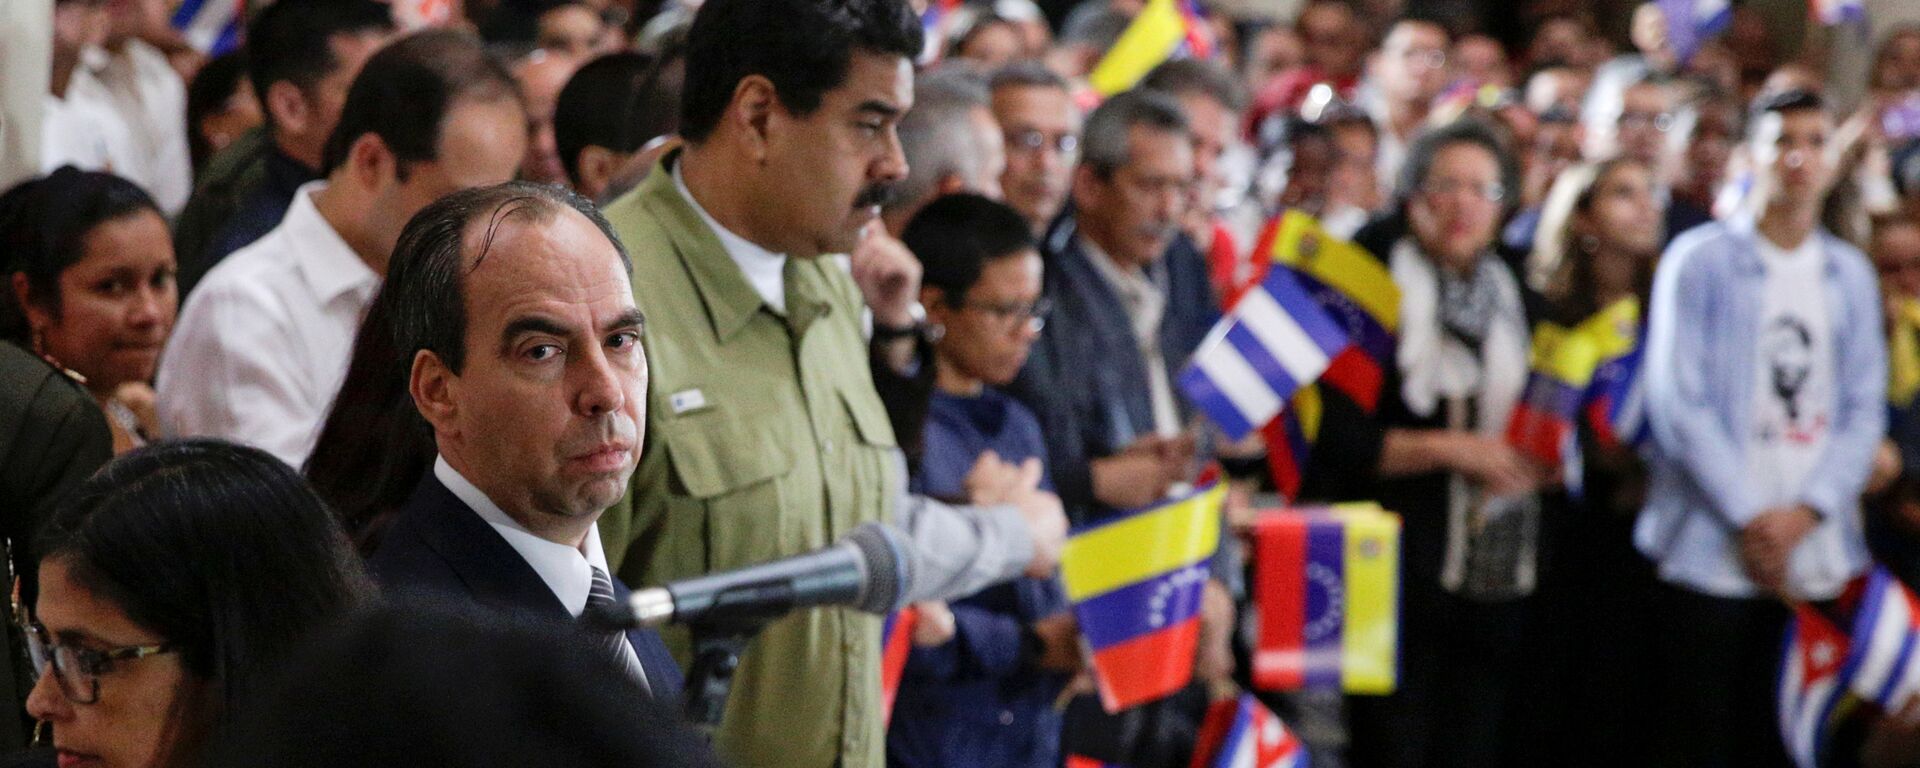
[[347, 360]]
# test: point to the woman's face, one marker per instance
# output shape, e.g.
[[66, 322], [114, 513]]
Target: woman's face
[[988, 335], [128, 725], [1456, 211], [1622, 214], [117, 303]]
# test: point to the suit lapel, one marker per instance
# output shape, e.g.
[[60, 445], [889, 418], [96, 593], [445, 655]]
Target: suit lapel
[[491, 568]]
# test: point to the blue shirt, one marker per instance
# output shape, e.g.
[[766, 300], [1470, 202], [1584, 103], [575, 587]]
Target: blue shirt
[[977, 700]]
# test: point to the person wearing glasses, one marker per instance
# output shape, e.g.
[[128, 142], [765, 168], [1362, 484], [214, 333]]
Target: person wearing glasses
[[1035, 110], [171, 581], [1402, 81], [984, 696]]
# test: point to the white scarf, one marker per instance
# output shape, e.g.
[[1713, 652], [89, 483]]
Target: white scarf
[[1435, 366]]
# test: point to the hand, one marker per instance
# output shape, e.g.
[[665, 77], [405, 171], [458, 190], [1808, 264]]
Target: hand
[[1886, 468], [1047, 524], [1059, 643], [888, 276], [1893, 740], [993, 481], [1767, 543], [935, 626], [1493, 464], [1213, 659], [1141, 473]]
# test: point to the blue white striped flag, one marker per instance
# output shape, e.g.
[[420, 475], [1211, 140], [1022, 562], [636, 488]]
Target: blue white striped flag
[[1691, 22], [212, 27], [1837, 12], [1276, 340]]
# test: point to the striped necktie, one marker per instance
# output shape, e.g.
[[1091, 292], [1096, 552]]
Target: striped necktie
[[600, 596]]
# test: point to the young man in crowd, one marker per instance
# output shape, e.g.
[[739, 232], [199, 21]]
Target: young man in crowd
[[1042, 127]]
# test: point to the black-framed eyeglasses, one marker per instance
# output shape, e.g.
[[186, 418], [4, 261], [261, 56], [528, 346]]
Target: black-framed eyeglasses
[[1491, 192], [1010, 313], [1034, 141], [77, 669], [1659, 121]]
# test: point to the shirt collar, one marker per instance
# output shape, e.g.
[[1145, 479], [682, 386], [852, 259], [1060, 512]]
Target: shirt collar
[[764, 269], [331, 267], [566, 570]]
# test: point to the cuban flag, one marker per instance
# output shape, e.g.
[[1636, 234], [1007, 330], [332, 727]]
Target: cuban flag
[[1274, 341], [1327, 583], [896, 643], [1836, 12], [1691, 23], [1243, 733], [1812, 688], [212, 27], [933, 26], [1883, 667], [1355, 289], [1136, 583]]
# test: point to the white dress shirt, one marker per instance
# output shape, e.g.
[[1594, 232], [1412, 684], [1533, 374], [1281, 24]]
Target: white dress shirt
[[83, 132], [138, 85], [263, 343], [764, 269], [566, 570]]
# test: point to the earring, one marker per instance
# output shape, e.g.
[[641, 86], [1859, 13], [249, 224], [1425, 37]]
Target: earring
[[936, 332], [1590, 243]]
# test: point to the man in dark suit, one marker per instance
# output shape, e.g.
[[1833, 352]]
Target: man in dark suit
[[52, 436], [518, 317]]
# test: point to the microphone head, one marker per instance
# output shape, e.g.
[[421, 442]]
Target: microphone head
[[889, 569]]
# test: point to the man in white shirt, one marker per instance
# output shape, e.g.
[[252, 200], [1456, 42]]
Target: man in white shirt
[[1403, 80], [262, 345], [132, 80], [527, 365]]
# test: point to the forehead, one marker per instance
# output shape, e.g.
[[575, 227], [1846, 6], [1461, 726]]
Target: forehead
[[1033, 104], [549, 261], [874, 78], [1155, 151], [1798, 122], [1464, 159], [1407, 34]]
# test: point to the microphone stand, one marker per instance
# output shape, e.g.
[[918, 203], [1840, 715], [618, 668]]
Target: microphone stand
[[719, 638]]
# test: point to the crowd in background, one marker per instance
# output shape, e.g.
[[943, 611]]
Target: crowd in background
[[195, 235]]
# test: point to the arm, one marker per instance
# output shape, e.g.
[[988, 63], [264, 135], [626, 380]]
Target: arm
[[230, 373], [1860, 420], [985, 645], [1679, 406], [956, 551]]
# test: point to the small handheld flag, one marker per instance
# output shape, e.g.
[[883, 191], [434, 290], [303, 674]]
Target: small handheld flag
[[1136, 584], [212, 27], [1357, 291], [1242, 733], [1163, 29], [1691, 23], [1565, 363], [1812, 688], [896, 643], [1327, 581], [1275, 340]]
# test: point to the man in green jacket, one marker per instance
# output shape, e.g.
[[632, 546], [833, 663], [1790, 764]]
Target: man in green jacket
[[765, 437]]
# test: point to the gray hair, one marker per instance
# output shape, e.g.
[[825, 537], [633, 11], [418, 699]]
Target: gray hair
[[937, 135], [1103, 143], [1027, 74]]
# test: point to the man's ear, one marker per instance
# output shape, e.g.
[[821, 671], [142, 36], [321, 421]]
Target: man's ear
[[288, 107], [369, 162], [431, 384], [596, 166], [934, 301], [1087, 186], [755, 101]]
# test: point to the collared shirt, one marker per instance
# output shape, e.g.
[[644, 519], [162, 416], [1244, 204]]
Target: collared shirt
[[1145, 304], [565, 570], [764, 269], [138, 84], [83, 133], [263, 344]]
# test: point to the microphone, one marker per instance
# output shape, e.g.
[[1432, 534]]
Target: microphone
[[869, 571]]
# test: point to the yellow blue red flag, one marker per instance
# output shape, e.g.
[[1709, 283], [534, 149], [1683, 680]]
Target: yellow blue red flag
[[1327, 581]]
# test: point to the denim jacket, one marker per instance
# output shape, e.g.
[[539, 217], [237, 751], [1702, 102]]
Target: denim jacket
[[1702, 343]]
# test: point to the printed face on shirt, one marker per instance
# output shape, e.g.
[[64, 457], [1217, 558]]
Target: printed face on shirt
[[831, 169], [548, 411], [117, 303], [989, 333], [128, 725]]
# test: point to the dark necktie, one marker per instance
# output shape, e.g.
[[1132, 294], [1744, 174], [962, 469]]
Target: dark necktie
[[600, 596]]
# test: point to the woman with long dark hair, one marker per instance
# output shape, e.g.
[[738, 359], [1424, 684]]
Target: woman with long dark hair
[[170, 583]]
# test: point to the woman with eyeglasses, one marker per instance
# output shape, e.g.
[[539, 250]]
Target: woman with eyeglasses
[[170, 582]]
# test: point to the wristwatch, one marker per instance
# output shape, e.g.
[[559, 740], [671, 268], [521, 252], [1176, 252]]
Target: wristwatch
[[884, 332]]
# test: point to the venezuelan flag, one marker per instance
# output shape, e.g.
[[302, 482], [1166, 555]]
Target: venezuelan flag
[[1136, 584], [1564, 364], [1903, 354], [896, 642], [1356, 289], [1290, 440], [1162, 30], [1327, 581]]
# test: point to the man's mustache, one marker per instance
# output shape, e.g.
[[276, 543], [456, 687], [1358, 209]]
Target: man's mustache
[[880, 194]]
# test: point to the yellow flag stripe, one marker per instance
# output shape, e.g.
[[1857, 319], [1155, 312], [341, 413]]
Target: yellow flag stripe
[[1345, 267], [1370, 634], [1307, 408], [1143, 546], [1577, 353], [1148, 40]]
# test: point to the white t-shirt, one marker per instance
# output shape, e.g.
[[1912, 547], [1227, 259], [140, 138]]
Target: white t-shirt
[[1793, 395]]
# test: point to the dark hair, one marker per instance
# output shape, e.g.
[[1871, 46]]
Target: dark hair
[[1182, 77], [1427, 146], [1103, 142], [1782, 103], [956, 235], [44, 225], [617, 102], [1568, 284], [374, 690], [207, 95], [292, 40], [804, 47], [1026, 74], [220, 549], [405, 91], [375, 445]]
